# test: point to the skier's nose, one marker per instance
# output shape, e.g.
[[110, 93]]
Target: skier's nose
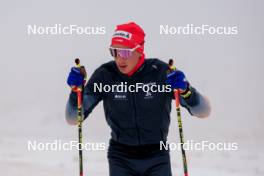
[[120, 60]]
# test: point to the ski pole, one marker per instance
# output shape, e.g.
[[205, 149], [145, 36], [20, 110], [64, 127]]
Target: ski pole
[[178, 110], [79, 119]]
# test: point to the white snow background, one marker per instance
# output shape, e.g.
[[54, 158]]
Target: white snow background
[[34, 68]]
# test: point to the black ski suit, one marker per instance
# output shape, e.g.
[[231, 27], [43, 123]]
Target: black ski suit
[[139, 120]]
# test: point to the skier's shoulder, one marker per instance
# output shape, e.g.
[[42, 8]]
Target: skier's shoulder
[[156, 63], [105, 68], [108, 66]]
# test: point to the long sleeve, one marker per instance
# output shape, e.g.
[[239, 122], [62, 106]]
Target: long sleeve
[[89, 103], [197, 104], [90, 100]]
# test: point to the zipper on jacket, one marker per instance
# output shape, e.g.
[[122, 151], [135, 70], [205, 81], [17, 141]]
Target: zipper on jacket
[[135, 115]]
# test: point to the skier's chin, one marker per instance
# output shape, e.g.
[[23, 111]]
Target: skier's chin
[[123, 69]]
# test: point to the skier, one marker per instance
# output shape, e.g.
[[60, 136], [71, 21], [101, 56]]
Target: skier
[[139, 121]]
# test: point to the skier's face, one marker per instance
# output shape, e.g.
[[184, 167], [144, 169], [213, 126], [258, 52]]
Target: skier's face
[[125, 65]]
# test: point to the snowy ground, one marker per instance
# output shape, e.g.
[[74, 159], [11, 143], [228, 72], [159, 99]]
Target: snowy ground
[[16, 159], [19, 161]]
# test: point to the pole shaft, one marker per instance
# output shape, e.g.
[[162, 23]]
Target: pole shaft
[[178, 110], [79, 118]]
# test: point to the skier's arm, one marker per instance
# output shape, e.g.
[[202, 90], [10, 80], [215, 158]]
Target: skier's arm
[[90, 99], [190, 98], [197, 104], [89, 103]]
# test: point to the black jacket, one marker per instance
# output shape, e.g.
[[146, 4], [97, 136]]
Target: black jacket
[[135, 118]]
